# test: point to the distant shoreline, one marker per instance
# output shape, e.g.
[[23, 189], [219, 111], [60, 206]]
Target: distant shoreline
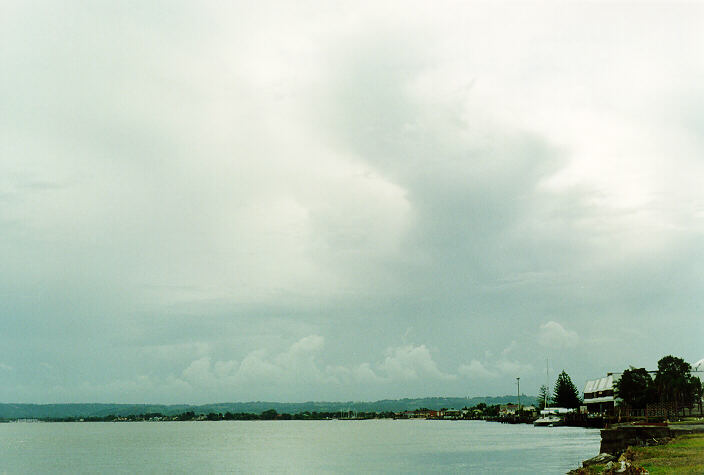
[[10, 411]]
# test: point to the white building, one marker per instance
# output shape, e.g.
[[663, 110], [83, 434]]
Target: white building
[[599, 395]]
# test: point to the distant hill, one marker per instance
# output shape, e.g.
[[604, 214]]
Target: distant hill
[[44, 411]]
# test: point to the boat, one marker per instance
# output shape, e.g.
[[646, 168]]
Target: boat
[[548, 421], [552, 417]]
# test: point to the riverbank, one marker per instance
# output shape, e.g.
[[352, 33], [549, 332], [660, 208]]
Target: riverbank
[[682, 451], [684, 454]]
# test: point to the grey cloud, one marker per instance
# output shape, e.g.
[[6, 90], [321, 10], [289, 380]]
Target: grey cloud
[[192, 193]]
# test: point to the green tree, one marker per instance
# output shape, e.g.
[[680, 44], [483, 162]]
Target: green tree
[[674, 382], [635, 387], [186, 416], [213, 416], [565, 393], [544, 397], [269, 414]]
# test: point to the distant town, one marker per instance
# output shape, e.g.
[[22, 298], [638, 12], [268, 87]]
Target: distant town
[[673, 390]]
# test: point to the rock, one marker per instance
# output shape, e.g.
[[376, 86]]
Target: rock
[[599, 459]]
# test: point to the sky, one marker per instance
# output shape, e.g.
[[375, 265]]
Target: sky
[[292, 201]]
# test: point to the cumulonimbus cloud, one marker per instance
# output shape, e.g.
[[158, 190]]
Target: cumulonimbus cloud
[[174, 190]]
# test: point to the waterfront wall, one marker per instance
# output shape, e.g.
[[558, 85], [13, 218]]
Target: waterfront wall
[[617, 439]]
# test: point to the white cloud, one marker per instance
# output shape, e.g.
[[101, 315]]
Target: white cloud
[[297, 364], [6, 367], [476, 369], [305, 346], [359, 374], [554, 335], [411, 362], [256, 366], [301, 363], [513, 367], [495, 368], [199, 373]]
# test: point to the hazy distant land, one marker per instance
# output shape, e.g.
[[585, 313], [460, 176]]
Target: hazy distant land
[[42, 411]]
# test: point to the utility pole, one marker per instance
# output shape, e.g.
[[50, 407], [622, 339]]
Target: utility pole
[[518, 382]]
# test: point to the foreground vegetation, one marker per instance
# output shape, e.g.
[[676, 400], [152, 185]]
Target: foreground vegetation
[[685, 454]]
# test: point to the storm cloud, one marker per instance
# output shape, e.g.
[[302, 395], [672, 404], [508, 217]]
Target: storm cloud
[[279, 201]]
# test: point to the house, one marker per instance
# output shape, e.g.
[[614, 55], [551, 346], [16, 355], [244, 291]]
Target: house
[[599, 395], [452, 414], [508, 409], [427, 414]]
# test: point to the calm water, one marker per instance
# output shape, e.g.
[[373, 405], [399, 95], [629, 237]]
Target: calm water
[[293, 447]]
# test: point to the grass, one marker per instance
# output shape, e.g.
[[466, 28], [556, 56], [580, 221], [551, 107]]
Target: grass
[[689, 421], [685, 454]]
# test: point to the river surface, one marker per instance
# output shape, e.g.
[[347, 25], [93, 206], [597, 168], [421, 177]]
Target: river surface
[[372, 446]]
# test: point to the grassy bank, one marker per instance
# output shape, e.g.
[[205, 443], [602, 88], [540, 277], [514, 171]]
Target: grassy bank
[[685, 454]]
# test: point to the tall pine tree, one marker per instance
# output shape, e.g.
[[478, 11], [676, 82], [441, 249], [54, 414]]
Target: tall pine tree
[[565, 394]]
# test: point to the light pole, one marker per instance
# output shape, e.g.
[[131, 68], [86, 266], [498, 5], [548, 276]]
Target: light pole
[[518, 383]]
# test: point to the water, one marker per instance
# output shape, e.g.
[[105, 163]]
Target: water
[[375, 446]]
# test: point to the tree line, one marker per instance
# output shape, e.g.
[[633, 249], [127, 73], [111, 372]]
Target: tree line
[[268, 415], [673, 383]]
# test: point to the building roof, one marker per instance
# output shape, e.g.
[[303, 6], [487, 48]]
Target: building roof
[[601, 384], [699, 365]]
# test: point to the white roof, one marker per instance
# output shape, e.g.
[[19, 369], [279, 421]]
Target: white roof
[[699, 365], [601, 384]]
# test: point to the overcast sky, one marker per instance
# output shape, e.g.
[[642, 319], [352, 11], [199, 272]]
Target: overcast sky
[[227, 201]]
